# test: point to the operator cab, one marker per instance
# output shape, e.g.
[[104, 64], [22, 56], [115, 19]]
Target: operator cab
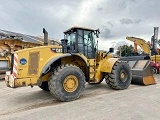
[[80, 40]]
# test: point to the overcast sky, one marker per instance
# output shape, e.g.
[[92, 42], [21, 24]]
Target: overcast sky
[[116, 19]]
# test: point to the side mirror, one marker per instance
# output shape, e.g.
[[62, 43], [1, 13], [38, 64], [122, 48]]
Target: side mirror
[[111, 50], [64, 41], [97, 33]]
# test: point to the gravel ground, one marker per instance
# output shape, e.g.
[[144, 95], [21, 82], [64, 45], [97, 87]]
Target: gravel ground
[[96, 102]]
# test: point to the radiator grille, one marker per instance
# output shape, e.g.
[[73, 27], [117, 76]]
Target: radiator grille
[[33, 63]]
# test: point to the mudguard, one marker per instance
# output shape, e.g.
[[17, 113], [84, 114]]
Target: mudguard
[[58, 57], [51, 61], [107, 64]]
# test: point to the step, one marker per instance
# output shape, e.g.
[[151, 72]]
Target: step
[[93, 72]]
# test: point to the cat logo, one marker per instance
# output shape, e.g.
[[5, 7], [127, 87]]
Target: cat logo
[[57, 50]]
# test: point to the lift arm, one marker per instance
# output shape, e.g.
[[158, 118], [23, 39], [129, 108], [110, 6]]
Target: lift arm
[[142, 43]]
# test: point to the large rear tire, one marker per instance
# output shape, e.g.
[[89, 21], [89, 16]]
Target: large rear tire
[[67, 83], [120, 76]]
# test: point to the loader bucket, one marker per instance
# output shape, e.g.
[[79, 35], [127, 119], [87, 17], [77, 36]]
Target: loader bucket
[[141, 72]]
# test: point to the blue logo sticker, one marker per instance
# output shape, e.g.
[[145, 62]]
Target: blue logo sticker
[[23, 61]]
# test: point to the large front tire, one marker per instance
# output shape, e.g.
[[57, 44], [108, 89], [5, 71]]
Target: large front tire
[[120, 76], [67, 83]]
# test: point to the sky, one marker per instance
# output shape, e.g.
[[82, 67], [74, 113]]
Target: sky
[[116, 19]]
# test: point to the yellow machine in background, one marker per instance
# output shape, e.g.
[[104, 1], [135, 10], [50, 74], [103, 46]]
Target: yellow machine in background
[[145, 47], [148, 51], [64, 70], [142, 43], [149, 48]]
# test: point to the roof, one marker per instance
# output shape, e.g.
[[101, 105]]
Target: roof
[[78, 27], [22, 37]]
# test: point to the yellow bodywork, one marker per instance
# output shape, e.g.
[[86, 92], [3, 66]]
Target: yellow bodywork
[[35, 65], [155, 58], [42, 55], [7, 47], [38, 58], [107, 64]]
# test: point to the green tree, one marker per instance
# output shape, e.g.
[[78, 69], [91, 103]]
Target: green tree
[[125, 50]]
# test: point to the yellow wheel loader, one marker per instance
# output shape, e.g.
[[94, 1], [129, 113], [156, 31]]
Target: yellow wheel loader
[[64, 70]]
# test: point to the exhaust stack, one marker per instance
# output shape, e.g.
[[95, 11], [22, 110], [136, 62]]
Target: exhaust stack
[[45, 37]]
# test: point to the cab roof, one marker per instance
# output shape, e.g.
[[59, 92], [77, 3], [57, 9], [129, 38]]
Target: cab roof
[[77, 27]]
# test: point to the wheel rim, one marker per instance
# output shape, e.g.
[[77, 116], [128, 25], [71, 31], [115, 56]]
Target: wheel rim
[[70, 83], [123, 76]]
